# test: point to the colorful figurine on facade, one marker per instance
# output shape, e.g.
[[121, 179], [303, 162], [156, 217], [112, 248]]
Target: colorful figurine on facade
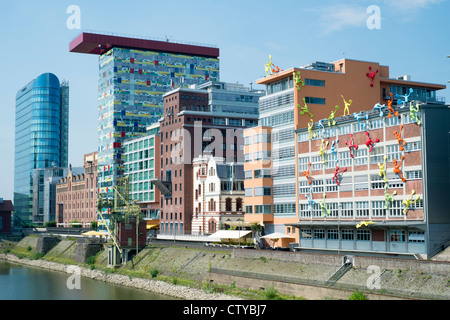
[[391, 109], [337, 172], [268, 66], [323, 206], [322, 127], [397, 166], [371, 75], [414, 112], [334, 146], [382, 172], [310, 200], [331, 120], [298, 80], [351, 145], [388, 198], [359, 116], [311, 135], [401, 141], [369, 142], [323, 146], [346, 106], [405, 98], [407, 202], [307, 174], [305, 109], [364, 223], [380, 108]]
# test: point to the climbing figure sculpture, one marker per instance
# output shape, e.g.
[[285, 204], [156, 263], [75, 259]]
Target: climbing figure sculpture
[[337, 172], [334, 151], [331, 120], [346, 106], [359, 116], [323, 146], [298, 80], [311, 135], [388, 198], [382, 172], [351, 145], [371, 75], [414, 113], [307, 174], [369, 142], [310, 200], [401, 141], [390, 107], [323, 206], [407, 202], [405, 98], [380, 108], [397, 167], [305, 109]]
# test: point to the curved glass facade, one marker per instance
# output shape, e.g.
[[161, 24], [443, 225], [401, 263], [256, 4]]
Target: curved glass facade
[[41, 137]]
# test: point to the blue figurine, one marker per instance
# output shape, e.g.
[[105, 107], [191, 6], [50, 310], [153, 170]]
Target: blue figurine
[[334, 151], [380, 107], [359, 116], [321, 127], [310, 200], [405, 98]]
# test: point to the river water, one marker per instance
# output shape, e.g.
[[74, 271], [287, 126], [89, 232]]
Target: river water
[[19, 282]]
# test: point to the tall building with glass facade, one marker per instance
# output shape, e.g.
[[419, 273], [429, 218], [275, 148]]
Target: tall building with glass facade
[[133, 76], [41, 138]]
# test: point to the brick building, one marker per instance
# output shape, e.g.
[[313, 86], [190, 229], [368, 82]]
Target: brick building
[[6, 210], [76, 194]]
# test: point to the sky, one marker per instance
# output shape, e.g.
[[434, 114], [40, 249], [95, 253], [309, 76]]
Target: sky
[[412, 38]]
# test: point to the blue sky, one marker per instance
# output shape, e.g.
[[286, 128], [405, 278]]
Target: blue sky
[[413, 39]]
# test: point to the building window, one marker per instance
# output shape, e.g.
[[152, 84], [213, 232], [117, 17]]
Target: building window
[[347, 235], [378, 209], [393, 152], [263, 191], [396, 209], [249, 192], [249, 209], [414, 175], [264, 209], [331, 186], [345, 159], [413, 146], [363, 235], [376, 182], [397, 236], [314, 100], [362, 209], [332, 234], [239, 204], [377, 155], [344, 130], [305, 233], [317, 186], [228, 204], [416, 236], [314, 82], [347, 209], [332, 209], [319, 234], [361, 157]]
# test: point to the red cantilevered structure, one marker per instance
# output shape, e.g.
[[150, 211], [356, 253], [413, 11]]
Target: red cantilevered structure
[[93, 43]]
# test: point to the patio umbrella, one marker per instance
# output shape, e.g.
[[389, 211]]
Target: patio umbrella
[[276, 236]]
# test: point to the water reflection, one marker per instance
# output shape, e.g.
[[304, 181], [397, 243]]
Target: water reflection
[[26, 283]]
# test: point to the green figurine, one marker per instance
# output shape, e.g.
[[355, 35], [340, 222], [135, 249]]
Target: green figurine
[[414, 112], [323, 207], [305, 109], [298, 80], [387, 197], [331, 117]]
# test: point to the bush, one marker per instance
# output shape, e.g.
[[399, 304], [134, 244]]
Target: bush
[[50, 224], [154, 272], [357, 295], [270, 293], [91, 260]]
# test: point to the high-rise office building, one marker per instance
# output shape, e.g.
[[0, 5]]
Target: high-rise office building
[[41, 138], [133, 76]]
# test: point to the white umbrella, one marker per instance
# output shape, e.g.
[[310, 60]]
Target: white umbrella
[[275, 236]]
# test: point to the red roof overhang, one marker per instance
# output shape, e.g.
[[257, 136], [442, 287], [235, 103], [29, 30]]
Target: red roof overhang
[[92, 43]]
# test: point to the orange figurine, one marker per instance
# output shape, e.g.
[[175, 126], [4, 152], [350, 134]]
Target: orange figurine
[[307, 174], [397, 168], [398, 135], [390, 106]]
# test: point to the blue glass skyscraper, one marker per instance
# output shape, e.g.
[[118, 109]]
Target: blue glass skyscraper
[[41, 138]]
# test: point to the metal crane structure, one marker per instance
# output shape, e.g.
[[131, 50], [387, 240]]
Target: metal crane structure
[[121, 210]]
